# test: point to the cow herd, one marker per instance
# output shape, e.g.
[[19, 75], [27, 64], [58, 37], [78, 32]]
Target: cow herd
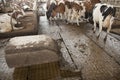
[[76, 11]]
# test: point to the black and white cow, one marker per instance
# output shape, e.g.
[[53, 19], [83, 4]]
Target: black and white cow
[[103, 14]]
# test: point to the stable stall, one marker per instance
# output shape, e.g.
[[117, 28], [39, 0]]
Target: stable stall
[[21, 13]]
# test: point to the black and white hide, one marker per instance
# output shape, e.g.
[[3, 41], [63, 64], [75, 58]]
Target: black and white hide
[[103, 15]]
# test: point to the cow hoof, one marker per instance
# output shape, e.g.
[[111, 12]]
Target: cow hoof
[[92, 28], [66, 21], [78, 25], [93, 31], [98, 36], [105, 39]]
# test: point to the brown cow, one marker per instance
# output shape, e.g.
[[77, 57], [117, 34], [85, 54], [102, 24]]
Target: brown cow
[[78, 11], [51, 5], [68, 9], [74, 10], [60, 9]]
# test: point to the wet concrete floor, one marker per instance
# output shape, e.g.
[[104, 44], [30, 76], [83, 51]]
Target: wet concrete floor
[[95, 62]]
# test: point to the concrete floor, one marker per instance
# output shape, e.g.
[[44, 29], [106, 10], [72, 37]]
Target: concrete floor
[[81, 50]]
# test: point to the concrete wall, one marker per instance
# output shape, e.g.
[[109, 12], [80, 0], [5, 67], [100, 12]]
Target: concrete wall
[[114, 2]]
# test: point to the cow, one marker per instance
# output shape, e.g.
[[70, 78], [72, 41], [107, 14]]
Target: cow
[[68, 9], [11, 21], [103, 14], [59, 9], [89, 5], [78, 11], [8, 23], [51, 5], [17, 14]]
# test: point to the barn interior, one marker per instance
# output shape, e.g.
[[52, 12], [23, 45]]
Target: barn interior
[[80, 54]]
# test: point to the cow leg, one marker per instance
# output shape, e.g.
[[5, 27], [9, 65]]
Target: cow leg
[[109, 28], [111, 22], [57, 16], [100, 28], [94, 29], [75, 17], [78, 21], [72, 18], [61, 16], [65, 13], [69, 15]]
